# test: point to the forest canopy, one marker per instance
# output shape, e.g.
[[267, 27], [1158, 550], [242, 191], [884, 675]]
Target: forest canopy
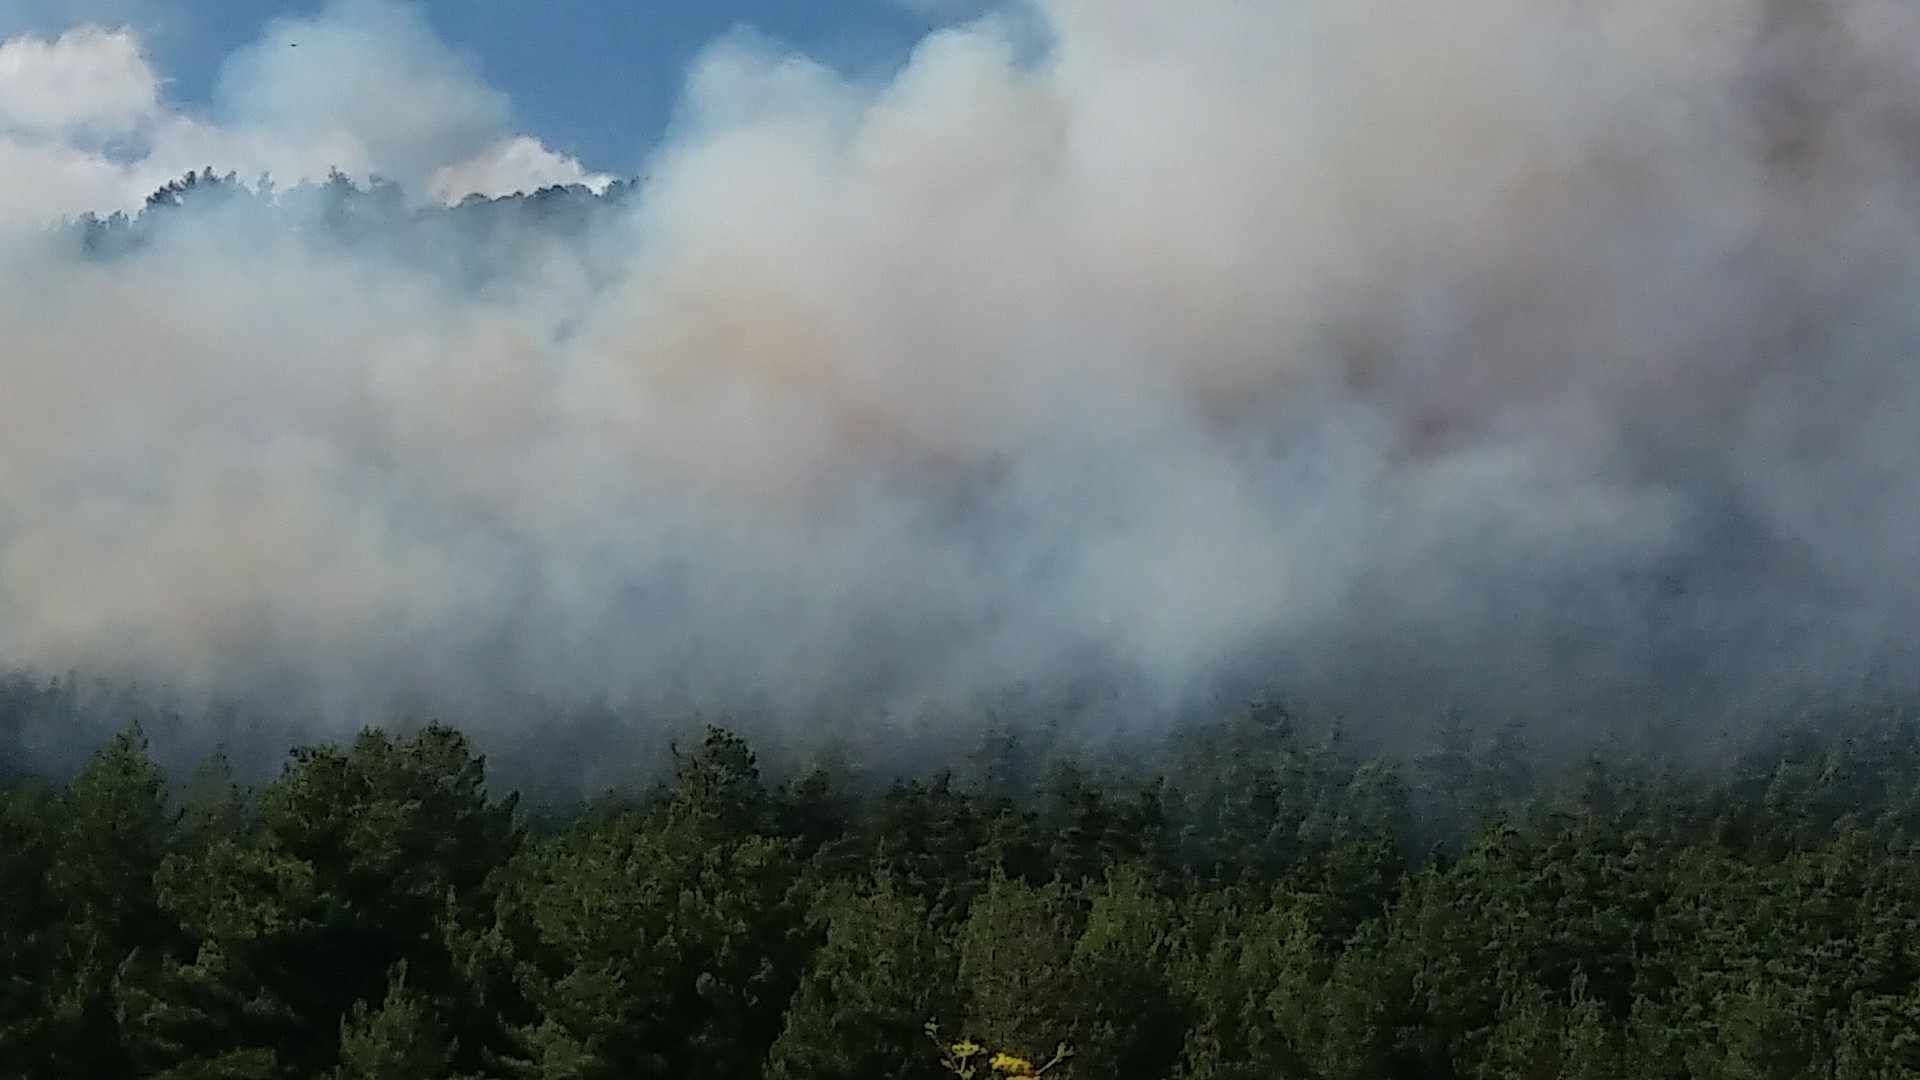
[[1264, 904]]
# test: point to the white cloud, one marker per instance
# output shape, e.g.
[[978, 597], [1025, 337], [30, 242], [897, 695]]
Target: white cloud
[[369, 89], [62, 100], [517, 164], [85, 79], [372, 71], [45, 182]]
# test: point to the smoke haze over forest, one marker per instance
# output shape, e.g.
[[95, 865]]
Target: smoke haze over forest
[[1555, 361]]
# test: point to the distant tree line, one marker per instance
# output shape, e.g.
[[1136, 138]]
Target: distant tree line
[[1260, 903], [477, 242]]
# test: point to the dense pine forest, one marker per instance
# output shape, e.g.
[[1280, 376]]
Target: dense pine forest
[[1260, 901]]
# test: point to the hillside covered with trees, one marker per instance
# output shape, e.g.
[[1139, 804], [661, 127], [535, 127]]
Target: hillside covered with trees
[[1260, 903]]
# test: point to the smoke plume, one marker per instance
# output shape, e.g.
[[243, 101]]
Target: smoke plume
[[1549, 358]]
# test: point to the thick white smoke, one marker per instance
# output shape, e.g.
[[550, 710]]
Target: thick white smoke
[[1532, 354]]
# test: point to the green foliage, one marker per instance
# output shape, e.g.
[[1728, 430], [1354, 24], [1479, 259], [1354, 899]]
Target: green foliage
[[883, 966], [1272, 906], [358, 859], [1128, 1018], [1016, 951], [31, 927], [82, 875], [396, 1040], [663, 942], [1253, 971]]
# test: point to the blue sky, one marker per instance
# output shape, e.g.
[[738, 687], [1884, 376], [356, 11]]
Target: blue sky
[[592, 78]]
